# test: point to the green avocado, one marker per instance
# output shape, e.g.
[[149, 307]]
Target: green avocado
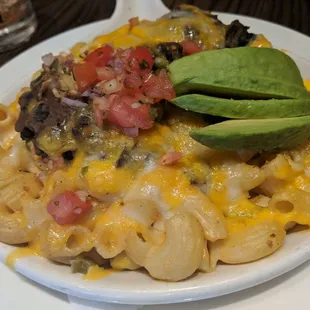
[[256, 135], [244, 72], [265, 108]]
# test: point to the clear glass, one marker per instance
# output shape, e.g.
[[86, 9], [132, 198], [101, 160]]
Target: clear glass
[[17, 23]]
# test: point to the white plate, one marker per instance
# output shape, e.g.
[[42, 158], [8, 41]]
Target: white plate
[[137, 287]]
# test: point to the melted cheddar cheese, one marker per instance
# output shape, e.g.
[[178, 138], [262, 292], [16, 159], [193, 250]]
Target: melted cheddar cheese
[[211, 34], [96, 273], [33, 249], [260, 41], [104, 178], [17, 254], [307, 84]]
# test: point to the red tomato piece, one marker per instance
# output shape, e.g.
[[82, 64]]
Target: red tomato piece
[[170, 158], [101, 56], [85, 75], [105, 73], [141, 59], [68, 207], [190, 47], [132, 83], [126, 112], [158, 86]]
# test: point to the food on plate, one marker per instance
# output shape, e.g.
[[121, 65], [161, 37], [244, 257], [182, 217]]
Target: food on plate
[[253, 73], [192, 28], [243, 108], [154, 147], [258, 134], [248, 73]]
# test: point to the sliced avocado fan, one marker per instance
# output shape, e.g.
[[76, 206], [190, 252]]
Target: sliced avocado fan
[[242, 109], [256, 135], [245, 72]]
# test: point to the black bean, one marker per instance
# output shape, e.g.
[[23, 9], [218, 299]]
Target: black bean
[[41, 112], [237, 35], [171, 50], [27, 134], [38, 151], [24, 100], [83, 121], [69, 155], [123, 159], [191, 33], [76, 132]]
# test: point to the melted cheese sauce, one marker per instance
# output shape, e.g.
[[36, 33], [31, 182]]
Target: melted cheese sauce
[[260, 41], [104, 178], [97, 273], [19, 253], [307, 84], [211, 34], [164, 30]]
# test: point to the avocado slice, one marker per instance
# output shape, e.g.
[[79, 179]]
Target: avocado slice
[[268, 108], [244, 72], [256, 135]]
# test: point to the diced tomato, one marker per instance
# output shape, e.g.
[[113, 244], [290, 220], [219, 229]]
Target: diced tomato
[[126, 112], [142, 98], [105, 73], [134, 22], [85, 75], [170, 158], [141, 59], [100, 56], [158, 86], [190, 47], [67, 208], [132, 83]]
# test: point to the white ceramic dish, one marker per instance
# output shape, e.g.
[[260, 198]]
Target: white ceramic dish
[[137, 287]]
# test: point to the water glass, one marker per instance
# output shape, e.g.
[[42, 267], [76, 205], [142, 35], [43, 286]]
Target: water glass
[[17, 23]]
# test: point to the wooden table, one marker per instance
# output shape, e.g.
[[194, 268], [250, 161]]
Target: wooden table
[[55, 16]]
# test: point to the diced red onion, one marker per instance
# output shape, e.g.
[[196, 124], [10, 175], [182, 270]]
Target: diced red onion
[[48, 59], [118, 66], [93, 95], [111, 87], [77, 211], [100, 106], [82, 195], [74, 103], [170, 158], [131, 132], [86, 93]]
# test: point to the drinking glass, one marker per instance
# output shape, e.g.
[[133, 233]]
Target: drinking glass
[[17, 23]]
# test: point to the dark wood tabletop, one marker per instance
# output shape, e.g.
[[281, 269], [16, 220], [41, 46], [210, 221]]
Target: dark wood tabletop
[[55, 16]]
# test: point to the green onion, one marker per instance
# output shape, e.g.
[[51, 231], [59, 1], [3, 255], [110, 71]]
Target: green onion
[[161, 62], [144, 64]]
